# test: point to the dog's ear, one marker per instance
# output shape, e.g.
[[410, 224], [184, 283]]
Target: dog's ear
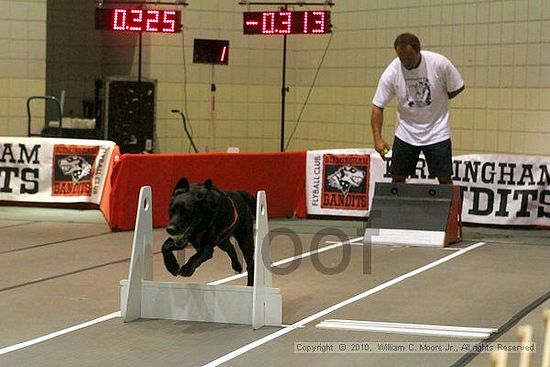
[[208, 184], [182, 186]]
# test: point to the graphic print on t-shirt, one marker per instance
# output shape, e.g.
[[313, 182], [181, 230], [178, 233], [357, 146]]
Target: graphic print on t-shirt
[[419, 93]]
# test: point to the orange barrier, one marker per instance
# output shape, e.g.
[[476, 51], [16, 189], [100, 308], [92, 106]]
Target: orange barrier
[[105, 204], [281, 175]]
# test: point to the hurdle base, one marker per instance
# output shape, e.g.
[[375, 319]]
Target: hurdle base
[[202, 302], [405, 237]]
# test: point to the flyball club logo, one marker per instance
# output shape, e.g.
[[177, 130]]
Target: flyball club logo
[[73, 170], [345, 182]]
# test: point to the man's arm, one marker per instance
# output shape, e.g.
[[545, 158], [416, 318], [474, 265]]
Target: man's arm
[[376, 121], [455, 93]]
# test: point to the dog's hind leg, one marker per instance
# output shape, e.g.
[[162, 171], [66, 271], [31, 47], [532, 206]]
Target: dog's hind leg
[[227, 246], [244, 234], [170, 260]]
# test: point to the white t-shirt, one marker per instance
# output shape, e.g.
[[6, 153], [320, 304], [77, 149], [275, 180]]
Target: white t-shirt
[[422, 99]]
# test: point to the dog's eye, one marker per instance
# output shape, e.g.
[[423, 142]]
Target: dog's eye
[[199, 196]]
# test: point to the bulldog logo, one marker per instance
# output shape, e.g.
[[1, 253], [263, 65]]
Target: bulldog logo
[[76, 167], [346, 177]]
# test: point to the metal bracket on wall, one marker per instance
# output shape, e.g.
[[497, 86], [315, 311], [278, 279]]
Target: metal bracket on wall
[[100, 3]]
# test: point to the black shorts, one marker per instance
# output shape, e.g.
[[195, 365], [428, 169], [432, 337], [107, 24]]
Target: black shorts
[[405, 157]]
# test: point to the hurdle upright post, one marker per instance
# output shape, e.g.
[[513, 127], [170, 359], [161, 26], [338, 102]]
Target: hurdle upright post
[[262, 271], [141, 262], [499, 359], [525, 334], [546, 348]]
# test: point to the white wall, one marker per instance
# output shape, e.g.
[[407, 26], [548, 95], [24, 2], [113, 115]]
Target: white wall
[[22, 63], [501, 48]]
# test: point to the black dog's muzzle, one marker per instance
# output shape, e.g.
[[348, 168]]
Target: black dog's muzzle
[[180, 240], [174, 243]]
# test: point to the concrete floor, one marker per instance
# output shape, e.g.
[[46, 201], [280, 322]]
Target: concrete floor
[[61, 268]]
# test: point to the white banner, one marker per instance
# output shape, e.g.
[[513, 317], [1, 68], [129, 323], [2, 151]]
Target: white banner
[[497, 188], [504, 189], [53, 170], [339, 181]]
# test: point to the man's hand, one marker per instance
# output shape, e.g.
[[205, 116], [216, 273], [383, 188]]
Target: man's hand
[[376, 120], [381, 147]]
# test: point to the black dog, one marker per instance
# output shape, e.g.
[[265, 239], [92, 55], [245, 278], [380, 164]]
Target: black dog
[[206, 217]]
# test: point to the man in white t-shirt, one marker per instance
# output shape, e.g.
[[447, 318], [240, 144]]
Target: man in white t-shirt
[[423, 82]]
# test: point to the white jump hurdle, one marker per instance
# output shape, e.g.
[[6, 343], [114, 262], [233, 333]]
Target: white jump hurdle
[[141, 297]]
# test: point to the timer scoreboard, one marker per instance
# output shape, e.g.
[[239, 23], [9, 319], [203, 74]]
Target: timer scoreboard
[[286, 22], [138, 20], [207, 51]]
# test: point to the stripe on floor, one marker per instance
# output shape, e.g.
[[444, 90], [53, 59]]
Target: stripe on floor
[[337, 306], [44, 338], [41, 339], [409, 329]]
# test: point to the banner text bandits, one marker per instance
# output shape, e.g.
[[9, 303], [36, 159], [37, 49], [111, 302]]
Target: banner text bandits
[[475, 179], [346, 179], [29, 176], [65, 183]]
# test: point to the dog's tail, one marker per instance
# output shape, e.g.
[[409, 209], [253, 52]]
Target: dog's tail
[[249, 200]]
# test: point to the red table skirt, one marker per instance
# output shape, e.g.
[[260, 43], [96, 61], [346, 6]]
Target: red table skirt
[[281, 175]]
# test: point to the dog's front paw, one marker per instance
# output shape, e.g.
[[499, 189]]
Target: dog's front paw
[[186, 270], [170, 260], [236, 265]]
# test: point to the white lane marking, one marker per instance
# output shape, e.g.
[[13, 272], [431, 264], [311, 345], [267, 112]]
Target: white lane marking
[[41, 339], [354, 241], [295, 327], [337, 306], [409, 329]]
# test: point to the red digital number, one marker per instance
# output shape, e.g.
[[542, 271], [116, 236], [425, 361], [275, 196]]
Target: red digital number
[[287, 22], [272, 22], [152, 17], [222, 57], [169, 21], [319, 20], [119, 20], [268, 23], [136, 20]]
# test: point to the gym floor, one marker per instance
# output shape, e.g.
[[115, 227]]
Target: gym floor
[[59, 295]]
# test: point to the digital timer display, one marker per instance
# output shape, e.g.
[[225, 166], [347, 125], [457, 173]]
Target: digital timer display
[[208, 51], [138, 20], [286, 22]]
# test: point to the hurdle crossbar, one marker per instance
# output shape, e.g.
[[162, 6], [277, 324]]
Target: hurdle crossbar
[[142, 297]]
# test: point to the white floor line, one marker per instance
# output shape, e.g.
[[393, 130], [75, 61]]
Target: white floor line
[[409, 329], [41, 339], [411, 326], [295, 327], [289, 259], [354, 241], [337, 306], [58, 333]]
